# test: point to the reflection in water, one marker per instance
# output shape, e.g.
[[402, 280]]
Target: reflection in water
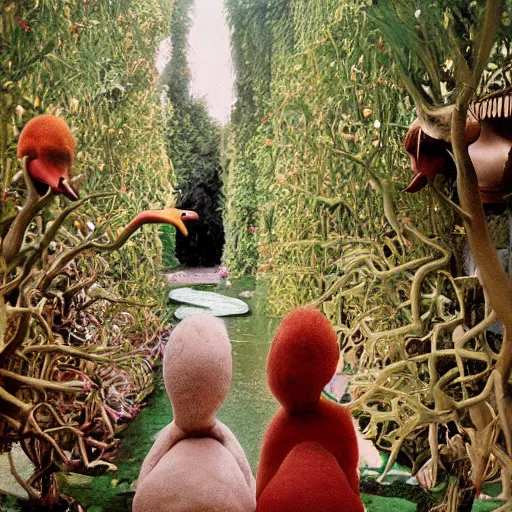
[[249, 405]]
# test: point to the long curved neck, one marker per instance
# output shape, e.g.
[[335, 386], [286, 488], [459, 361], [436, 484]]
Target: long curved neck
[[13, 241], [16, 234], [146, 217]]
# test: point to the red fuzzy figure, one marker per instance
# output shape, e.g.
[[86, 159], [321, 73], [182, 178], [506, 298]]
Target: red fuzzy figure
[[50, 147], [310, 456]]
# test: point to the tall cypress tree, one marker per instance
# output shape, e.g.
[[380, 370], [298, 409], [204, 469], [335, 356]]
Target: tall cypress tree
[[194, 148]]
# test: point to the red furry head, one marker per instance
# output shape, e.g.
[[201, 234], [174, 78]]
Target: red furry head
[[302, 359], [48, 143]]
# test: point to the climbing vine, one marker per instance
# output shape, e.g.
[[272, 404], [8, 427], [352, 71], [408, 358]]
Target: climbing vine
[[77, 340], [323, 128]]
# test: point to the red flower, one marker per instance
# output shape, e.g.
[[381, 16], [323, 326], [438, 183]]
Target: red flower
[[26, 28], [253, 230], [77, 27]]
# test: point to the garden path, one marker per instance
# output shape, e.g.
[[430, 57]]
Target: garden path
[[193, 275]]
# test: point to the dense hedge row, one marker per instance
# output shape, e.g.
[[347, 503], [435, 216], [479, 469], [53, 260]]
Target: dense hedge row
[[79, 336], [92, 63], [316, 99], [194, 148], [315, 202]]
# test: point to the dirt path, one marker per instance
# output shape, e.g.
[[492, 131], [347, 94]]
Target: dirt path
[[193, 275]]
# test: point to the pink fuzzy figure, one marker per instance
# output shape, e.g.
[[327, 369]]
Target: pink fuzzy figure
[[196, 463], [224, 273]]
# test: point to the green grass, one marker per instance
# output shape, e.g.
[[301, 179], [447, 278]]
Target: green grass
[[380, 504]]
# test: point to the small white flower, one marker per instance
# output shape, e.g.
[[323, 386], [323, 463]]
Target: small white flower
[[417, 13], [73, 104], [19, 112], [91, 226], [376, 124]]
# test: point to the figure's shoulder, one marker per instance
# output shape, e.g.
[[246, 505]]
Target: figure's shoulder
[[334, 411], [279, 423]]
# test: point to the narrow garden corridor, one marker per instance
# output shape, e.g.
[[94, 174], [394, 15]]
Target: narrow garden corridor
[[332, 178]]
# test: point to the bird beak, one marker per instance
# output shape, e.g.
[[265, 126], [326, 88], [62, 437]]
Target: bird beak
[[66, 189], [420, 181], [55, 176], [178, 217], [172, 216], [428, 157]]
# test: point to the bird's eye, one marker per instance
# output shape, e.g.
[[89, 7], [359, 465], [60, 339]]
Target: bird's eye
[[184, 214]]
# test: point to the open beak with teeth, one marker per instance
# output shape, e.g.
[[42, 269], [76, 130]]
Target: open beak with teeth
[[429, 157]]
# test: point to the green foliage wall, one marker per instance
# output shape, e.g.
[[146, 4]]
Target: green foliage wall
[[251, 49], [314, 89], [91, 62], [194, 148], [316, 141], [332, 217]]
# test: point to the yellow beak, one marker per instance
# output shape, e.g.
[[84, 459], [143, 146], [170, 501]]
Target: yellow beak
[[179, 217]]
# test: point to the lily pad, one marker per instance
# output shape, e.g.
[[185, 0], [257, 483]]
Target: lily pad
[[206, 302]]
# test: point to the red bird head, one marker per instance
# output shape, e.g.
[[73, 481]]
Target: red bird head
[[429, 155], [302, 359], [50, 147]]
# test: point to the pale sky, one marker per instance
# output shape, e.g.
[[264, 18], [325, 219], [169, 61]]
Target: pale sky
[[210, 58]]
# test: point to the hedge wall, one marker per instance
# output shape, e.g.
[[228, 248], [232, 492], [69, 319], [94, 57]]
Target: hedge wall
[[92, 63], [315, 182], [194, 148]]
